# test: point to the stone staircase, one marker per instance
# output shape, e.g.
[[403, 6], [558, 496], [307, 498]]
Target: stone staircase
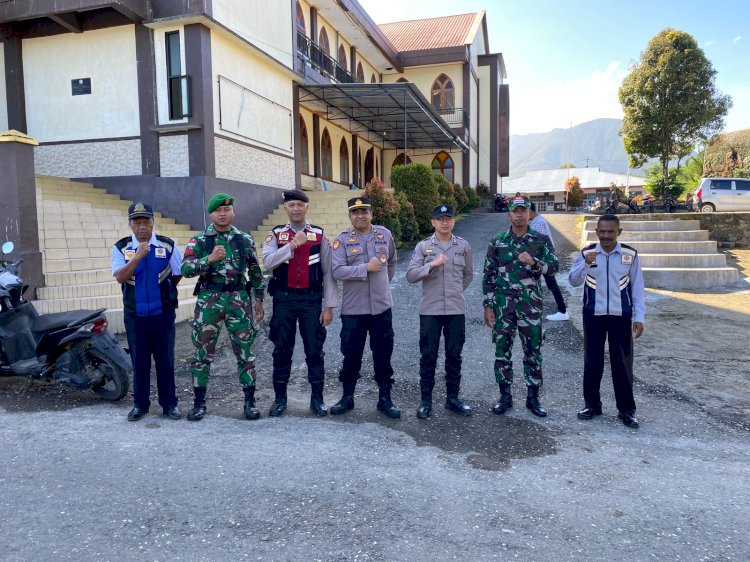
[[78, 224], [327, 209], [674, 254]]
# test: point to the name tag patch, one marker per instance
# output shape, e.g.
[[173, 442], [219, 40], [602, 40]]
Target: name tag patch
[[160, 252], [627, 259], [129, 254]]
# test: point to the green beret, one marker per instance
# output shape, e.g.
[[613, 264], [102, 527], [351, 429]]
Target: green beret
[[219, 200]]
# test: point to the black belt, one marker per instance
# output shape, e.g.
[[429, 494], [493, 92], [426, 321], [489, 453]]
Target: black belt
[[223, 287], [308, 291]]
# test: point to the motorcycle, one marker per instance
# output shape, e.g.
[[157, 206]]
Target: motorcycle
[[72, 348], [501, 204]]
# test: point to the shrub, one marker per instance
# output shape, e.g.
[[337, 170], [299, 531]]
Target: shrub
[[475, 201], [407, 219], [446, 191], [483, 190], [462, 198], [384, 207], [417, 183]]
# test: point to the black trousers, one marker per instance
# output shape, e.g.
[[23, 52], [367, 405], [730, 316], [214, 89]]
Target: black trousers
[[152, 336], [453, 329], [619, 332], [290, 309], [552, 285], [354, 331]]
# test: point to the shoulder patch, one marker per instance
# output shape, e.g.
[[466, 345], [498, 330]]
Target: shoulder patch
[[336, 244]]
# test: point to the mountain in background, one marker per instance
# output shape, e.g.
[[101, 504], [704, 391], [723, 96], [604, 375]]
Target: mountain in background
[[594, 144]]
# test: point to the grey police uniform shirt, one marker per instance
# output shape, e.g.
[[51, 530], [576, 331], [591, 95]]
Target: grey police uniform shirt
[[443, 287], [274, 256], [364, 292]]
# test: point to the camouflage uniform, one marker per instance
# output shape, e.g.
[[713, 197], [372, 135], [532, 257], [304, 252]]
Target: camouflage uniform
[[223, 297], [513, 291]]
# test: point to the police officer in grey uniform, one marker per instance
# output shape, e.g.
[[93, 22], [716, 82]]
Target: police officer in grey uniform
[[444, 263], [364, 260]]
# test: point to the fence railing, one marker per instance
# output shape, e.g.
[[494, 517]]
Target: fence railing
[[322, 61]]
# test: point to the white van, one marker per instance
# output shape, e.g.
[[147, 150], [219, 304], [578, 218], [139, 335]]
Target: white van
[[722, 194]]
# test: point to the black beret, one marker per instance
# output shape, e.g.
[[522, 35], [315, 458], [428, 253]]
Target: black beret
[[294, 195]]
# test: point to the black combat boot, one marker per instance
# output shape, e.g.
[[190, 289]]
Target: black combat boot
[[316, 399], [453, 402], [532, 402], [385, 404], [347, 400], [506, 400], [279, 403], [199, 404], [425, 407], [251, 411]]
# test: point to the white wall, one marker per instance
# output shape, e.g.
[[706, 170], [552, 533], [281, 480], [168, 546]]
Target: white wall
[[252, 99], [3, 99], [485, 96], [267, 24], [107, 57]]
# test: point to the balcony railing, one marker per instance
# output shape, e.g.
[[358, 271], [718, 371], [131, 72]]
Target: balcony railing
[[311, 53], [455, 117]]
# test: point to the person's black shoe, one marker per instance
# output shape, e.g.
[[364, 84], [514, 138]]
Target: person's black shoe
[[278, 407], [342, 406], [385, 404], [533, 404], [317, 405], [589, 412], [137, 413], [506, 400], [251, 411], [454, 404], [199, 404], [173, 413], [628, 419], [424, 410]]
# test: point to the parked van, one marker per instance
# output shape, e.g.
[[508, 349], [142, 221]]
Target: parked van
[[722, 194]]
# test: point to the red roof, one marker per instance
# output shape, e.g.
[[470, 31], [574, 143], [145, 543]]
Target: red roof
[[432, 33]]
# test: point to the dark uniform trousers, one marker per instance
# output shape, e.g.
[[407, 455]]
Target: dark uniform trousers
[[354, 330], [152, 336], [618, 331], [289, 308], [554, 288], [453, 328]]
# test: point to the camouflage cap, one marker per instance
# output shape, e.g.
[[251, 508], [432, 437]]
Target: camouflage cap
[[521, 201], [219, 200]]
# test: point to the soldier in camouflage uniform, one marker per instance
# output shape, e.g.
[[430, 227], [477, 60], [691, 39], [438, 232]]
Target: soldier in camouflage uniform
[[516, 260], [221, 255]]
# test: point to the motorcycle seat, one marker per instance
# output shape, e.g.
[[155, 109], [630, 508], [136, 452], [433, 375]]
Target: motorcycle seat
[[57, 320]]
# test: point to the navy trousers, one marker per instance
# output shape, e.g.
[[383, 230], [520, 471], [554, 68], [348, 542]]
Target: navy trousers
[[354, 331], [152, 336]]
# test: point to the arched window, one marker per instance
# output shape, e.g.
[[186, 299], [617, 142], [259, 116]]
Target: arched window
[[443, 94], [304, 147], [443, 164], [402, 79], [326, 156], [344, 162], [323, 41], [372, 79], [400, 160], [360, 73], [342, 57], [300, 18]]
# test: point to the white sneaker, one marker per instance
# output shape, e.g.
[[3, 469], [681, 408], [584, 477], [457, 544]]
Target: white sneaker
[[558, 316]]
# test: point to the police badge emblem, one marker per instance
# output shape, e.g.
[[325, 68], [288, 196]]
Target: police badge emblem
[[336, 244], [160, 252]]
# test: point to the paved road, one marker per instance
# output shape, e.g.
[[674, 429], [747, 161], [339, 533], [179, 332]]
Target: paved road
[[80, 483]]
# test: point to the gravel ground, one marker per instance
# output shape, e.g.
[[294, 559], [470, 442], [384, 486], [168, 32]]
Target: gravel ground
[[81, 483]]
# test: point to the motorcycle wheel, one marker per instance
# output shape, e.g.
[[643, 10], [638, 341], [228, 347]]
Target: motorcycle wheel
[[116, 384]]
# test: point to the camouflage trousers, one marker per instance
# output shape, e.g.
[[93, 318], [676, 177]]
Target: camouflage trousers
[[522, 313], [236, 311]]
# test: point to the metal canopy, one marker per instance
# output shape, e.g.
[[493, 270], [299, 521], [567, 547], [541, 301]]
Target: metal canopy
[[394, 115]]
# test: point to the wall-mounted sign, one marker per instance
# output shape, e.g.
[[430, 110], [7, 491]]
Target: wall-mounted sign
[[81, 86]]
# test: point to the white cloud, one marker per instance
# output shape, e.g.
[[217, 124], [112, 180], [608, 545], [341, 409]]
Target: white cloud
[[709, 43], [737, 39], [562, 103]]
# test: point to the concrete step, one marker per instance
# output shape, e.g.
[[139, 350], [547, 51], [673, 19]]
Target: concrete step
[[185, 311], [68, 278], [692, 247], [654, 236], [92, 295], [631, 225], [690, 278], [682, 260]]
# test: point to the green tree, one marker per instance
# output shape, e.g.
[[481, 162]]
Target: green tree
[[446, 191], [575, 192], [566, 166], [416, 181], [691, 173], [670, 101], [406, 218], [475, 201], [462, 199], [484, 191], [660, 189]]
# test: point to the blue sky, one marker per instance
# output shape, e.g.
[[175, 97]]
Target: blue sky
[[566, 60]]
